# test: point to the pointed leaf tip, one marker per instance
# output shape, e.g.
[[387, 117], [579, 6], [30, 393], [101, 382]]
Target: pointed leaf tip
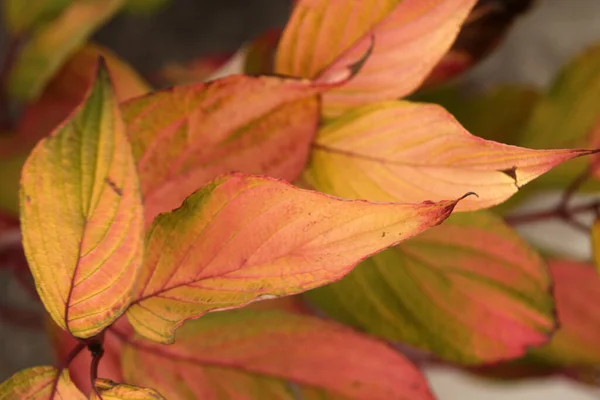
[[82, 217], [242, 237], [344, 76]]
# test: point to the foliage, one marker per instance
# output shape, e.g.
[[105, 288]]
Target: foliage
[[288, 231]]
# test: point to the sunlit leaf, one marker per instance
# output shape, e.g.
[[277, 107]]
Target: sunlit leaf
[[249, 355], [243, 238], [21, 16], [39, 383], [69, 86], [410, 152], [110, 390], [50, 45], [470, 291], [567, 115], [410, 37], [186, 136], [81, 216]]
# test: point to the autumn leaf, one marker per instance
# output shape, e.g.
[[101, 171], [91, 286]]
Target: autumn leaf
[[51, 44], [249, 354], [197, 70], [241, 239], [184, 137], [81, 216], [567, 115], [109, 390], [22, 16], [410, 38], [39, 383], [470, 291], [409, 152]]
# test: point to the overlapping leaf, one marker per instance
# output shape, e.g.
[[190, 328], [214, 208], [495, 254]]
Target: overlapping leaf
[[567, 115], [186, 136], [81, 216], [409, 152], [39, 383], [109, 390], [243, 238], [470, 291], [248, 355], [51, 44], [410, 37]]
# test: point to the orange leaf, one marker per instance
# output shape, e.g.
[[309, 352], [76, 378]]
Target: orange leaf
[[248, 355], [241, 239], [40, 383], [81, 216], [69, 87], [410, 36], [186, 136], [410, 152], [470, 291]]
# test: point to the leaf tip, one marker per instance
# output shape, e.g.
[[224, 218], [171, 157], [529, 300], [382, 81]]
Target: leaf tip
[[351, 70]]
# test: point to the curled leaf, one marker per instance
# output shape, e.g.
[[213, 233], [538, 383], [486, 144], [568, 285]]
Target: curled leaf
[[470, 291], [410, 152], [81, 216], [40, 383], [241, 239], [410, 37], [248, 354]]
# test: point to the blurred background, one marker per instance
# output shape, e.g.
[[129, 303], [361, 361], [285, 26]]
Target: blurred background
[[537, 45]]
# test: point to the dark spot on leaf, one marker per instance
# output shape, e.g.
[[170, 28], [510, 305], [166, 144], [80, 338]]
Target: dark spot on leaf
[[27, 199], [113, 186], [383, 234], [512, 173]]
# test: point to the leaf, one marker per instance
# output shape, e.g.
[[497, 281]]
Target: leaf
[[481, 33], [184, 137], [21, 16], [69, 86], [410, 37], [577, 295], [242, 238], [499, 113], [81, 216], [246, 354], [37, 383], [566, 116], [110, 390], [260, 55], [470, 291], [51, 45], [410, 152]]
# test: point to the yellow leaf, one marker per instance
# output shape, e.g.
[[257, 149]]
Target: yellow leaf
[[21, 16], [40, 383], [81, 216], [110, 390]]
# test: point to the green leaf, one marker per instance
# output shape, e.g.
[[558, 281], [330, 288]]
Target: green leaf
[[51, 45], [470, 291]]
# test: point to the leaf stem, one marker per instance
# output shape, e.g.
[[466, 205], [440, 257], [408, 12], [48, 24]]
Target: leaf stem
[[65, 364]]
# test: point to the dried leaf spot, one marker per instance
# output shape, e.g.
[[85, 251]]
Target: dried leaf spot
[[118, 191], [512, 173]]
